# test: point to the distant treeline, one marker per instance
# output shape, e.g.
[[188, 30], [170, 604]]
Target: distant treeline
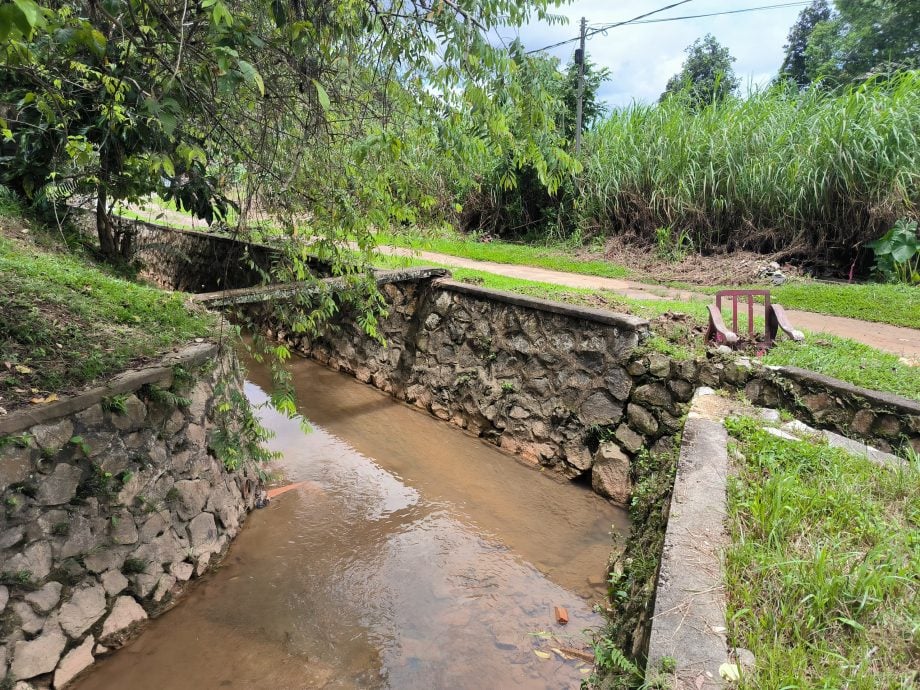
[[814, 173]]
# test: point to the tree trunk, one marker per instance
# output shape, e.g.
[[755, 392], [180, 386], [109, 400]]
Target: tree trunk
[[104, 225]]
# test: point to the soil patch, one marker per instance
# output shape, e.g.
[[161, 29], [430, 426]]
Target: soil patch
[[736, 267]]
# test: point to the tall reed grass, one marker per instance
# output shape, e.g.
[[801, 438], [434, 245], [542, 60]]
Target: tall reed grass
[[813, 173]]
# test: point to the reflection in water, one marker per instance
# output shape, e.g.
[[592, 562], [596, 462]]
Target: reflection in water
[[414, 556]]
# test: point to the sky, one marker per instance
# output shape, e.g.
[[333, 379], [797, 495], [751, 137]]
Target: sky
[[642, 57]]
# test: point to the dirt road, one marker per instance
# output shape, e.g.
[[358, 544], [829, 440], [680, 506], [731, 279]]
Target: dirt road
[[895, 339]]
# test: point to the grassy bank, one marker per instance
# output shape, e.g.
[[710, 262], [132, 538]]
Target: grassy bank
[[895, 304], [65, 321], [822, 575], [891, 303], [556, 258]]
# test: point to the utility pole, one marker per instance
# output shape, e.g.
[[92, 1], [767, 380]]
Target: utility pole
[[580, 61]]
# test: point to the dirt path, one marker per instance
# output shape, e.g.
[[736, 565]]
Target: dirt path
[[895, 339]]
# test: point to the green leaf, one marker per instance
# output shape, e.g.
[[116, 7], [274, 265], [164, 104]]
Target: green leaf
[[31, 12], [221, 13], [322, 95], [252, 75]]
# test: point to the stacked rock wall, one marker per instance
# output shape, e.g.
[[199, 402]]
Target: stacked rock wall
[[565, 387], [112, 501]]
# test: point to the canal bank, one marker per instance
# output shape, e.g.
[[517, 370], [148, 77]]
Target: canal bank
[[413, 556]]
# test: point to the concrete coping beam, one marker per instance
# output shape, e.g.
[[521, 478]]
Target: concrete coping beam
[[688, 626], [624, 322], [128, 381], [264, 293]]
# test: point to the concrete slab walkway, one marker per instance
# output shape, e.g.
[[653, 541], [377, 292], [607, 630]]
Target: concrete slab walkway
[[894, 339]]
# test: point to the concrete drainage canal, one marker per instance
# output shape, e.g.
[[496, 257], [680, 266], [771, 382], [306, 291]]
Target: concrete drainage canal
[[411, 556]]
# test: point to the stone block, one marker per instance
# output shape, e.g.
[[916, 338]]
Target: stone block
[[202, 533], [600, 409], [653, 395], [104, 559], [46, 598], [126, 613], [711, 374], [34, 559], [682, 390], [619, 383], [162, 550], [164, 587], [762, 392], [887, 426], [610, 473], [659, 365], [113, 582], [641, 419], [182, 571], [91, 416], [688, 370], [12, 536], [629, 439], [80, 538], [85, 606], [39, 656], [862, 422], [637, 368], [153, 527], [133, 417], [578, 455], [15, 464], [192, 495], [122, 529], [53, 436], [60, 486], [29, 621], [74, 662]]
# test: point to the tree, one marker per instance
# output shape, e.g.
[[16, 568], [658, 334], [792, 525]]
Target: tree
[[795, 61], [863, 39], [706, 75], [122, 98], [592, 109]]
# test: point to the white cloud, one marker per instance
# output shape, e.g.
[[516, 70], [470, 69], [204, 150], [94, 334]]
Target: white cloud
[[642, 57]]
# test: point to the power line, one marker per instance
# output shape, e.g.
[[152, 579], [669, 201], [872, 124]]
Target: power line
[[641, 16], [642, 20], [709, 14]]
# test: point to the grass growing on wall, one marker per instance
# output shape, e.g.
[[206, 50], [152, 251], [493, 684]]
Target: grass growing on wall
[[65, 322], [822, 574]]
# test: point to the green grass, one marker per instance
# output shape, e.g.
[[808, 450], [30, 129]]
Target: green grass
[[556, 258], [849, 360], [813, 170], [65, 322], [822, 574], [892, 303]]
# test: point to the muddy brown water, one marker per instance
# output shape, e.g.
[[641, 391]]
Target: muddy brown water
[[414, 556]]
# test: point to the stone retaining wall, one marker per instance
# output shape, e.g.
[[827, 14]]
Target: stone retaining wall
[[883, 420], [568, 388], [112, 501]]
